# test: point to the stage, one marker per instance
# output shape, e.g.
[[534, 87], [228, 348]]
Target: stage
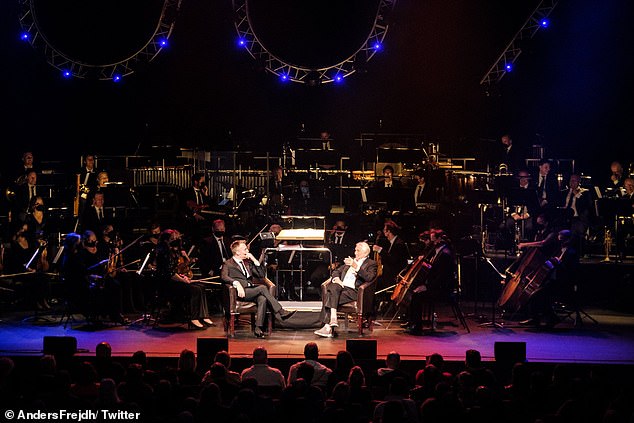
[[610, 341]]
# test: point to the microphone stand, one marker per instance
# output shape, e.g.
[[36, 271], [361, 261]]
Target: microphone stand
[[493, 323]]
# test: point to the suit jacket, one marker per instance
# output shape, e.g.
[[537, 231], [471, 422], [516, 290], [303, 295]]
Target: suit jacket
[[343, 250], [231, 272], [90, 221], [583, 204], [393, 259], [441, 275], [366, 272], [189, 198], [211, 257], [551, 188]]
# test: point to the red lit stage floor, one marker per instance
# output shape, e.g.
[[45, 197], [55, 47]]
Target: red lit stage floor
[[609, 341]]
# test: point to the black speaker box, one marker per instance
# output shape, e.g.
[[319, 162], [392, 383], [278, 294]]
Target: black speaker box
[[206, 349], [362, 349], [60, 345], [510, 352]]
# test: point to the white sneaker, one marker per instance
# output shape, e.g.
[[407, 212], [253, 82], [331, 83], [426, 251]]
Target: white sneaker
[[334, 324], [197, 324], [325, 332], [208, 322]]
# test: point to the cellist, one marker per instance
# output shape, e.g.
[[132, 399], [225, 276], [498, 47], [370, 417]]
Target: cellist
[[438, 282]]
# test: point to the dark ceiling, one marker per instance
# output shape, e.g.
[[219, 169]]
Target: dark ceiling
[[571, 89]]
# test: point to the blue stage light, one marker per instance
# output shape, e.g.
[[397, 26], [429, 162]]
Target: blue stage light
[[163, 42], [544, 23], [25, 36], [66, 73], [508, 67], [116, 77], [242, 42], [284, 77], [377, 46], [338, 79]]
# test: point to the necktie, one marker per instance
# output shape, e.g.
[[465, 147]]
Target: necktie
[[223, 251], [244, 269], [199, 199], [338, 239], [32, 191], [100, 213]]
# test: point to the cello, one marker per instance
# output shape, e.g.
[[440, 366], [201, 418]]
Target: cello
[[399, 296], [533, 269]]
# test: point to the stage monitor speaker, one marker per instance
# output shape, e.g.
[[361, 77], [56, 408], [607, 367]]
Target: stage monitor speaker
[[362, 349], [60, 345], [510, 352], [206, 349]]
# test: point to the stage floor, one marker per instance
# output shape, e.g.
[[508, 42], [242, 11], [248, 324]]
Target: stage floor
[[609, 341]]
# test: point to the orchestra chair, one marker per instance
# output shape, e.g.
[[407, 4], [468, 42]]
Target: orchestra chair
[[452, 300], [234, 307], [360, 309]]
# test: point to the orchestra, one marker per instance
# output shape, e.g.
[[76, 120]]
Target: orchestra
[[208, 210]]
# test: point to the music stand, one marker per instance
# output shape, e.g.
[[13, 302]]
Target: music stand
[[493, 323]]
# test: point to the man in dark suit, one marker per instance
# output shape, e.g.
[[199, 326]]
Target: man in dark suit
[[196, 197], [438, 284], [23, 195], [343, 287], [214, 250], [239, 272], [547, 187], [423, 191], [96, 217], [393, 252], [577, 204]]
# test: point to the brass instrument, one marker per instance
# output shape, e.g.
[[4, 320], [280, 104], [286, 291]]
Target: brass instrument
[[76, 201]]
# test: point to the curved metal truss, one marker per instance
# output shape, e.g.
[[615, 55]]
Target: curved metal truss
[[111, 71], [307, 75]]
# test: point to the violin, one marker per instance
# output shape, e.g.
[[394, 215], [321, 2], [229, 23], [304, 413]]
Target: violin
[[183, 267]]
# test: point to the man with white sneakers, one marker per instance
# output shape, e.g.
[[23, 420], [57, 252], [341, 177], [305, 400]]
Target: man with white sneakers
[[343, 286]]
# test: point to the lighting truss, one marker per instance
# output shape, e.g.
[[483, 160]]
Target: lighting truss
[[304, 74], [513, 50], [111, 71]]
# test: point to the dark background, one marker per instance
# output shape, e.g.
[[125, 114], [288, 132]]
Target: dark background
[[572, 84]]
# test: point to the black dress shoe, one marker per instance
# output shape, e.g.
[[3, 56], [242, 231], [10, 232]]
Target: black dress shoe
[[285, 314], [258, 332]]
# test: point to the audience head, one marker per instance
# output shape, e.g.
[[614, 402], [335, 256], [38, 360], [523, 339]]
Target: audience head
[[223, 358], [305, 372], [103, 349], [260, 355], [311, 351], [393, 360], [187, 360], [473, 359], [140, 357], [356, 377]]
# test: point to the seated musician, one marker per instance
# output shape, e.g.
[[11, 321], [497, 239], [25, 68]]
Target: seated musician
[[435, 285], [393, 252], [578, 206], [196, 197], [239, 271], [540, 303], [423, 191], [172, 269], [524, 205], [545, 238], [90, 286], [343, 287], [616, 181], [388, 180]]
